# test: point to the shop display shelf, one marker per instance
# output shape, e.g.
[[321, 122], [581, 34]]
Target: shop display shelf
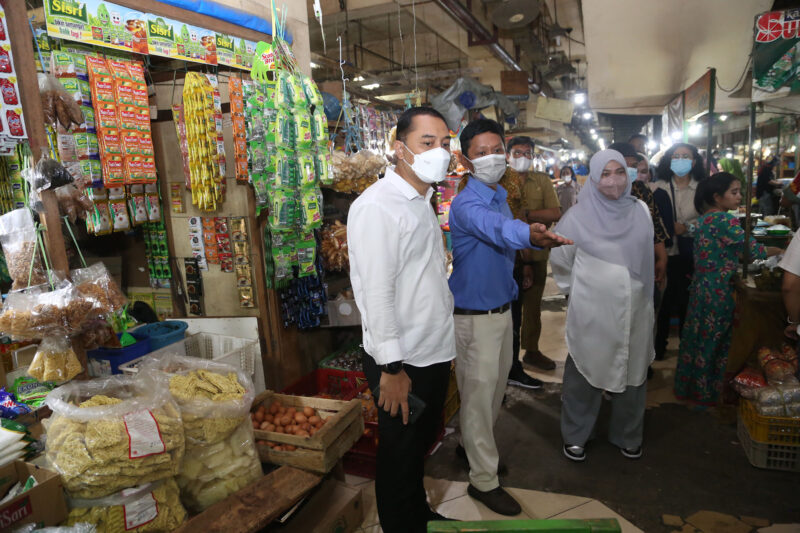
[[319, 453], [769, 456], [783, 431]]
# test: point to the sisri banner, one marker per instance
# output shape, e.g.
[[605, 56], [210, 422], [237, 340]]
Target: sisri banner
[[113, 26], [776, 55]]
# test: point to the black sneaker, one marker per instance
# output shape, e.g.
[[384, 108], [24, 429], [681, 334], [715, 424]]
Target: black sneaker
[[461, 453], [498, 500], [520, 379], [632, 454], [575, 453]]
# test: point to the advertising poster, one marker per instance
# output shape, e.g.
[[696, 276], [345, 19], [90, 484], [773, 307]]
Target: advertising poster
[[776, 55], [98, 23], [176, 40]]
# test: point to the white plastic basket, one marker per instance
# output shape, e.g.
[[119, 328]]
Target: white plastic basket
[[241, 353]]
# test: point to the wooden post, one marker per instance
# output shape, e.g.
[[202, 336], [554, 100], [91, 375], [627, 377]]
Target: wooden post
[[21, 38]]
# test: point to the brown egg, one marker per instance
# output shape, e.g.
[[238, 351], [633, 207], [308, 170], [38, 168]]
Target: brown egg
[[305, 426], [279, 429], [264, 425], [302, 433], [308, 411], [312, 431], [285, 421], [259, 416], [278, 403], [269, 418], [300, 418], [289, 448], [291, 411], [273, 409], [256, 424], [270, 427], [282, 411], [314, 420], [262, 409], [278, 448]]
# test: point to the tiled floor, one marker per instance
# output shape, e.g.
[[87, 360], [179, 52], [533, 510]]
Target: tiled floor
[[450, 499]]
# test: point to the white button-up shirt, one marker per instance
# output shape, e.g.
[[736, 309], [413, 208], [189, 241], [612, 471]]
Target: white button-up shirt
[[397, 269]]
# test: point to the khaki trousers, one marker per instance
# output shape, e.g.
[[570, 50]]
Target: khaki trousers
[[483, 347], [532, 308]]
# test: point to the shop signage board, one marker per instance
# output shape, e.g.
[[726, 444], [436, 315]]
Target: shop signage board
[[177, 40], [98, 23], [554, 109], [109, 25], [698, 97], [776, 55]]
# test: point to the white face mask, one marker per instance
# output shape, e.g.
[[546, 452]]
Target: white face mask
[[520, 164], [430, 166], [489, 168], [567, 178]]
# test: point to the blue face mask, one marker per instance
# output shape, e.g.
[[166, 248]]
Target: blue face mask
[[680, 167], [632, 174]]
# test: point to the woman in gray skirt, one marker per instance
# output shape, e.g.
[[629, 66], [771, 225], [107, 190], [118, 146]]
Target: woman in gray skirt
[[608, 274]]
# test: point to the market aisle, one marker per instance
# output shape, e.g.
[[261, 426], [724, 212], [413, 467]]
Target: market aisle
[[450, 499]]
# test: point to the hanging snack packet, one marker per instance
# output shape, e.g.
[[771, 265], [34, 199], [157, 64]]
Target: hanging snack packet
[[153, 207], [303, 129], [31, 392], [55, 360], [313, 96], [286, 170], [283, 207], [324, 169], [119, 212], [306, 169], [307, 257], [312, 210], [100, 219], [138, 209]]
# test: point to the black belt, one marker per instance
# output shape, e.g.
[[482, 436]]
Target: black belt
[[502, 309]]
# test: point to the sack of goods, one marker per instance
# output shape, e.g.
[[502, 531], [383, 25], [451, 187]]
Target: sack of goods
[[214, 400], [152, 507], [113, 433]]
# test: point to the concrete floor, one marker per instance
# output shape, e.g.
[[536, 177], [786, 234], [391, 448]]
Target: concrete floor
[[692, 459]]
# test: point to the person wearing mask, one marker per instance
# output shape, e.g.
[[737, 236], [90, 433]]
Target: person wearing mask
[[568, 190], [719, 243], [608, 276], [485, 239], [643, 172], [641, 192], [531, 198], [397, 270], [766, 185], [639, 142], [678, 173]]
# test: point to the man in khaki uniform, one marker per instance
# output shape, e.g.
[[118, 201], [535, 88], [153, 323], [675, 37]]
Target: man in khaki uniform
[[532, 198]]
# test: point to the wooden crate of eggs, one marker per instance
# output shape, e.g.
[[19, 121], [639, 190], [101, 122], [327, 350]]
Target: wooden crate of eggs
[[305, 432]]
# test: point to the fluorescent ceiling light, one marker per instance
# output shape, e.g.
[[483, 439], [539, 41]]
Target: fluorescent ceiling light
[[723, 118], [579, 98], [314, 65], [371, 86], [676, 135], [358, 78], [587, 115]]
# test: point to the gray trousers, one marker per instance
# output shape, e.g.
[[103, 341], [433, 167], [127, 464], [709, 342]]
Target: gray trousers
[[581, 405]]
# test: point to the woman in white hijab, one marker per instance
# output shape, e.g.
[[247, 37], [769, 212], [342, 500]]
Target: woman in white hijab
[[608, 275]]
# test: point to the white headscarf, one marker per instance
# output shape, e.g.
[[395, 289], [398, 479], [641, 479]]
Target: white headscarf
[[617, 231]]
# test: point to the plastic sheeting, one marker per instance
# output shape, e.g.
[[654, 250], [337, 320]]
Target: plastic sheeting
[[451, 102], [228, 14]]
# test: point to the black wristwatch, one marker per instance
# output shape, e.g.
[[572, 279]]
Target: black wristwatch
[[392, 368]]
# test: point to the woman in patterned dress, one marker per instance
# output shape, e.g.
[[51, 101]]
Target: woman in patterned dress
[[719, 242]]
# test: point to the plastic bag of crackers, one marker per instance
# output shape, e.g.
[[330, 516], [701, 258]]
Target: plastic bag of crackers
[[152, 507], [214, 399], [112, 433]]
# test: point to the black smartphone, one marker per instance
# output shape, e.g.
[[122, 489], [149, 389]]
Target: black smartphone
[[415, 405]]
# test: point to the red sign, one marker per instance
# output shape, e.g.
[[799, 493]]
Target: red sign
[[778, 25], [15, 513]]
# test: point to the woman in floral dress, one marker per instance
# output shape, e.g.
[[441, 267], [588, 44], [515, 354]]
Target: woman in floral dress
[[719, 242]]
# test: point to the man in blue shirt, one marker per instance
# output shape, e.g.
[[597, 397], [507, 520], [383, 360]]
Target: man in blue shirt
[[485, 240]]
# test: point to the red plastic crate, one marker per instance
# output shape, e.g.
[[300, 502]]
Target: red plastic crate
[[325, 382]]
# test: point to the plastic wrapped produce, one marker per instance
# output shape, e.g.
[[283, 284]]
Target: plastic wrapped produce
[[214, 399], [212, 473], [112, 433], [55, 360], [748, 381], [18, 237], [152, 507], [95, 284], [356, 172]]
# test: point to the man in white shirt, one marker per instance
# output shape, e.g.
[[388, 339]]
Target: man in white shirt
[[397, 268]]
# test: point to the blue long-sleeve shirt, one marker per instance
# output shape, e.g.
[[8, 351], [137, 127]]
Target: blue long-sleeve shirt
[[485, 239]]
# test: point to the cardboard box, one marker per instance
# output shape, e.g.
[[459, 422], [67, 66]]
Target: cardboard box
[[333, 508], [43, 505]]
